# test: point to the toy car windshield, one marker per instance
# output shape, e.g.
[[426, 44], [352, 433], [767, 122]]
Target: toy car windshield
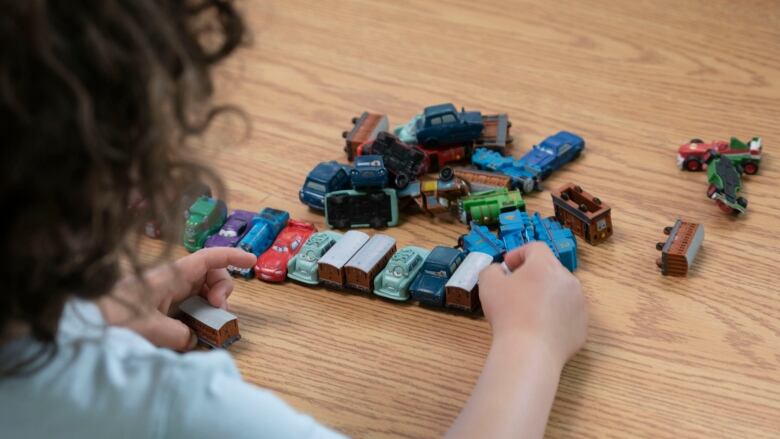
[[319, 187]]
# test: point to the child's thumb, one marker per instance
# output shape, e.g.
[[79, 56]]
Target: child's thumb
[[166, 332]]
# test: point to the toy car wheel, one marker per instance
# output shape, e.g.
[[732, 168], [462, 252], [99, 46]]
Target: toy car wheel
[[693, 165], [597, 201], [668, 230], [696, 141], [528, 186], [354, 120], [338, 200], [401, 181], [446, 173], [711, 190], [742, 201], [460, 241], [578, 189], [659, 246], [750, 168], [726, 209]]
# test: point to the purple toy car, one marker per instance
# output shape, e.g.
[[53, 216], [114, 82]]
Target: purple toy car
[[232, 231]]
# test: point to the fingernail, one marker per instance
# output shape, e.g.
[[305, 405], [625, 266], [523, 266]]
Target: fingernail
[[193, 341]]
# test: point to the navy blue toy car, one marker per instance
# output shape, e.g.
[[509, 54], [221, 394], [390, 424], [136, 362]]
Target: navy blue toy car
[[325, 177], [480, 239], [428, 286], [369, 173], [552, 153], [440, 125]]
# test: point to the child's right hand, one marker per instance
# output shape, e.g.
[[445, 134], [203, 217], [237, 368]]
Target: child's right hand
[[540, 300]]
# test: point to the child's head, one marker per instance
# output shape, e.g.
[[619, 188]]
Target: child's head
[[96, 99]]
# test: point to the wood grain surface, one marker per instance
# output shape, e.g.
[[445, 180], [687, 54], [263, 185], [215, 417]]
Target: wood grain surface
[[666, 357]]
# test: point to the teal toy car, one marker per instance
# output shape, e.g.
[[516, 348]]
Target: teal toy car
[[204, 218], [393, 282], [304, 266]]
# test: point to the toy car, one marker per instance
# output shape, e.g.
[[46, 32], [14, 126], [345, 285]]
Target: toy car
[[264, 228], [204, 218], [345, 209], [428, 286], [303, 267], [552, 153], [522, 177], [394, 280], [404, 162], [443, 156], [483, 208], [480, 239], [441, 125], [695, 155], [325, 177], [369, 173], [725, 186], [271, 266], [235, 227]]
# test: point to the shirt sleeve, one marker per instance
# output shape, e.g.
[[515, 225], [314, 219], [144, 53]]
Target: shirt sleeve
[[208, 399]]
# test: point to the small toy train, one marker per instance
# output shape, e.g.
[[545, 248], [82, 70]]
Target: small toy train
[[213, 326], [587, 216]]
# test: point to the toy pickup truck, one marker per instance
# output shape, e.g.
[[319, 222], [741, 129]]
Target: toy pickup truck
[[695, 155], [440, 125], [325, 177]]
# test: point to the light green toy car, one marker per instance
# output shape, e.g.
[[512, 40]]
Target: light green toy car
[[303, 267], [393, 282]]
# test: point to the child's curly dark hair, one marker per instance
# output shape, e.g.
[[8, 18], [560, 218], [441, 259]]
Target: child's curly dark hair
[[97, 99]]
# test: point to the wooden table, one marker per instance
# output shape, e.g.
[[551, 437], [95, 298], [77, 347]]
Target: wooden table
[[666, 357]]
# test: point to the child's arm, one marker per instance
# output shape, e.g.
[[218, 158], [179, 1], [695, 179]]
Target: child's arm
[[539, 320], [144, 307]]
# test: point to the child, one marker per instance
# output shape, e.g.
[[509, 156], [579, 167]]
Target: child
[[97, 99]]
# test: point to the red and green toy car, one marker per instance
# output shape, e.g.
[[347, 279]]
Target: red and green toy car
[[696, 155]]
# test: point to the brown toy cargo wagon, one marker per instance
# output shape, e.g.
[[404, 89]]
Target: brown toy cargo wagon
[[214, 327], [361, 270], [584, 214], [680, 248], [331, 264], [366, 127], [462, 289]]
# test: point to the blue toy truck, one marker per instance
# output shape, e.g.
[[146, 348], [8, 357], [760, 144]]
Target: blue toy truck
[[440, 125], [428, 286], [369, 173], [480, 239], [552, 153], [527, 180], [325, 177], [264, 228], [517, 228]]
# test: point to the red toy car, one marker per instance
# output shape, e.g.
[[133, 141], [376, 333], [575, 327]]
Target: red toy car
[[271, 266], [695, 155], [441, 157]]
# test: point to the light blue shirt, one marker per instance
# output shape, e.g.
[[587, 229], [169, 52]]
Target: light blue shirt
[[108, 381]]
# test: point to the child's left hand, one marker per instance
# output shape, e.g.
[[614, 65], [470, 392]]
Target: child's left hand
[[143, 307]]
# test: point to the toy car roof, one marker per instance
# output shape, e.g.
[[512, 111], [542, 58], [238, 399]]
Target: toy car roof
[[562, 138], [433, 110], [442, 255], [203, 206], [201, 310], [325, 170]]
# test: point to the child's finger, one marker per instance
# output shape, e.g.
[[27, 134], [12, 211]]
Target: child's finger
[[220, 285], [517, 257], [166, 332], [491, 272]]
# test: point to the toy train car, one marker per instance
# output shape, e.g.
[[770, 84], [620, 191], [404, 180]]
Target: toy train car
[[462, 289], [495, 134], [361, 270], [330, 266], [680, 249], [483, 208], [213, 326], [480, 181], [366, 127], [350, 208], [584, 214]]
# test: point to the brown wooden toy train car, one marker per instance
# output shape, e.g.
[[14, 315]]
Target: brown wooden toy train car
[[361, 270], [366, 127], [584, 214], [480, 181], [214, 327], [331, 264], [680, 248], [462, 289]]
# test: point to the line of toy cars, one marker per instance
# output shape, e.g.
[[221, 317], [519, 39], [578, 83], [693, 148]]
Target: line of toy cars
[[725, 162]]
